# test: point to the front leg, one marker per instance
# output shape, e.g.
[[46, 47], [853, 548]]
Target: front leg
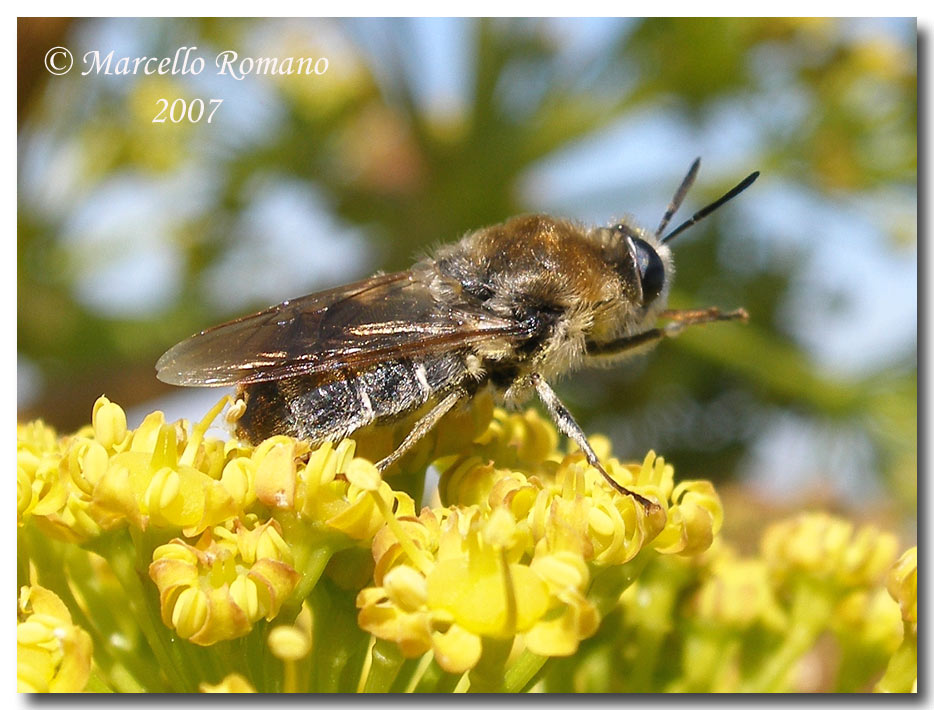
[[680, 320], [570, 428]]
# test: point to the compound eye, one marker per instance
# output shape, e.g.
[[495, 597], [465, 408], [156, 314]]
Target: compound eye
[[651, 270]]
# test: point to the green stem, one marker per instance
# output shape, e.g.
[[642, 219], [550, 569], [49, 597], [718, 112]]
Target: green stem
[[901, 675], [121, 681], [524, 672], [641, 674], [706, 651], [811, 608], [311, 569], [338, 645], [111, 617], [385, 662], [121, 553], [489, 676], [448, 682], [96, 684], [312, 549], [436, 680], [22, 559], [405, 681], [610, 583], [56, 571], [660, 587]]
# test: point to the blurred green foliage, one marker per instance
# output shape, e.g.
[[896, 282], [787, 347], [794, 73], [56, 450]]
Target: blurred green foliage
[[407, 175]]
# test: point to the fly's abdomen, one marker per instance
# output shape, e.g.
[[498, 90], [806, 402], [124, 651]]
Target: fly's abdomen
[[334, 405]]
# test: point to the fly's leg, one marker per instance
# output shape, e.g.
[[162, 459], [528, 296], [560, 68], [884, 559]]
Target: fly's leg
[[570, 428], [422, 427], [680, 320], [696, 316]]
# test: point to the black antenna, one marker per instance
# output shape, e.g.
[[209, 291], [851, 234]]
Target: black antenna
[[700, 214], [679, 196]]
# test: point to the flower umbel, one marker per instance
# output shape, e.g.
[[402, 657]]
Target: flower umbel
[[515, 560], [201, 564]]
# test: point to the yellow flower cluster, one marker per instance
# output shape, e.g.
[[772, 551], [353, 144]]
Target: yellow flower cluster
[[323, 486], [226, 569], [514, 554], [751, 623], [828, 550], [524, 551], [735, 593], [217, 588], [52, 653], [171, 477], [162, 475]]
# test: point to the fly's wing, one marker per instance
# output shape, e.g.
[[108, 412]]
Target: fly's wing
[[352, 326]]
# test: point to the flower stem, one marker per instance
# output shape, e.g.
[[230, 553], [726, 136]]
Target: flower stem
[[59, 565], [385, 662], [410, 674], [611, 582], [524, 672], [122, 556], [811, 608], [436, 680], [901, 676], [488, 676], [339, 646]]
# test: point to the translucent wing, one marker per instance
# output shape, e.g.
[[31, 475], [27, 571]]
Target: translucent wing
[[353, 326]]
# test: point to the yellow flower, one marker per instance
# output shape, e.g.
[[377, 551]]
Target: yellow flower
[[901, 676], [109, 423], [694, 518], [215, 590], [736, 593], [829, 549], [871, 618], [468, 573], [54, 480], [334, 489], [518, 439], [39, 488], [288, 643], [475, 581], [902, 584], [276, 461], [467, 588], [53, 654], [166, 475], [505, 567]]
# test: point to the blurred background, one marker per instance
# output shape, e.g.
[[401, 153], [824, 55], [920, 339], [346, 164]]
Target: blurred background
[[132, 235]]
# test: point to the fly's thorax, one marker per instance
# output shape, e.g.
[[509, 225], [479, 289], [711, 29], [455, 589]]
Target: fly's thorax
[[563, 283], [528, 260]]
